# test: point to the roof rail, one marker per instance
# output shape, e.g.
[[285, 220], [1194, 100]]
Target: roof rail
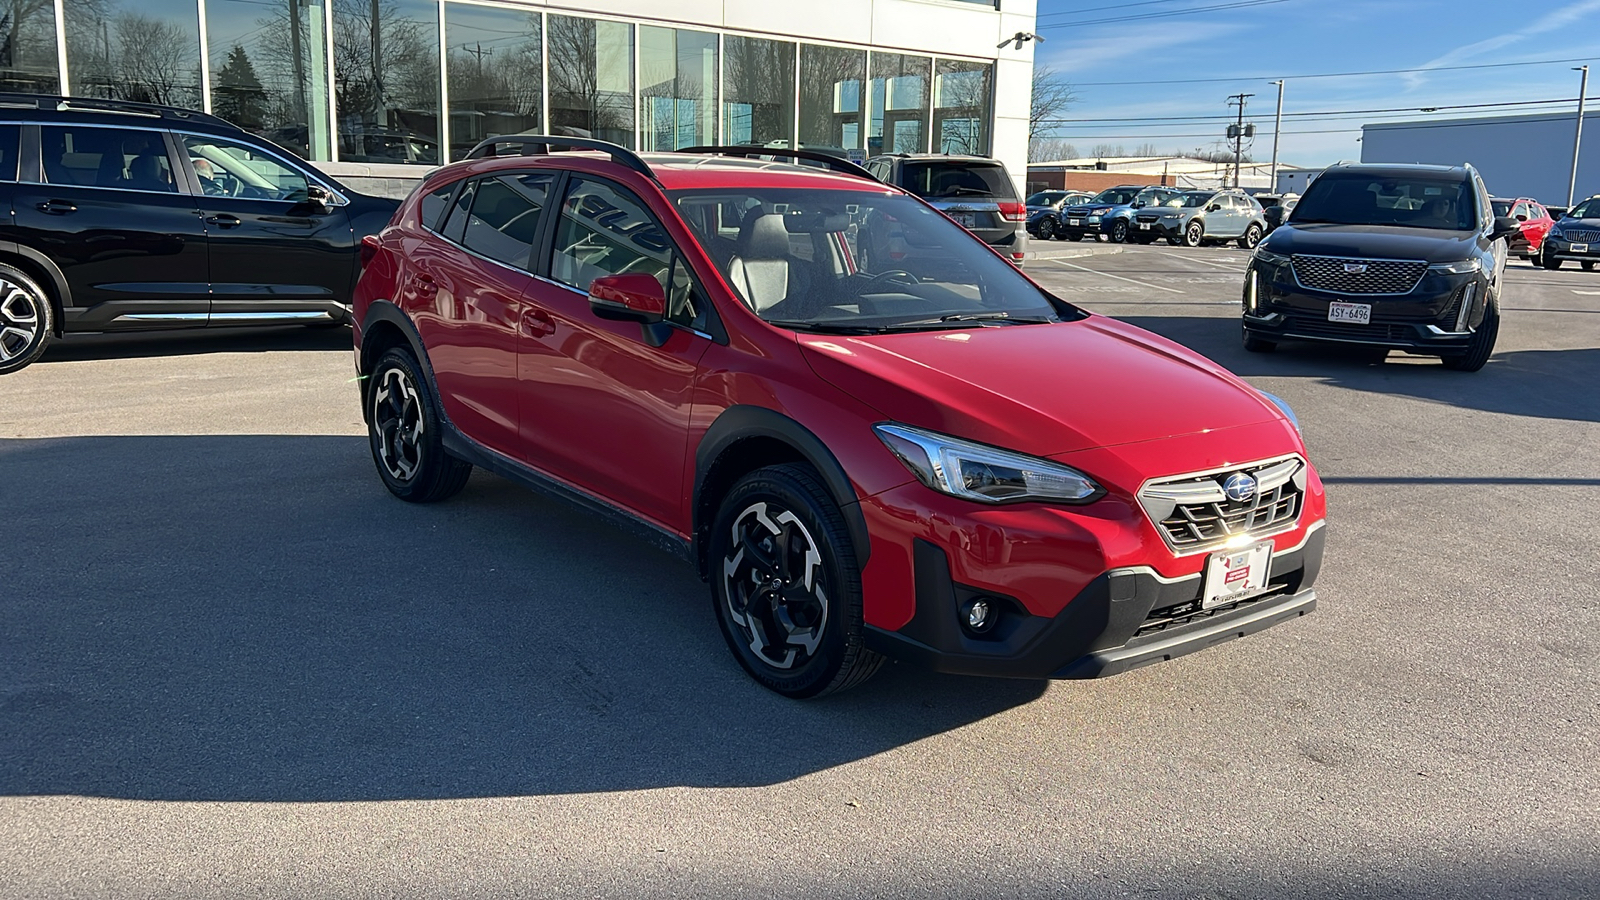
[[116, 107], [828, 160], [540, 144]]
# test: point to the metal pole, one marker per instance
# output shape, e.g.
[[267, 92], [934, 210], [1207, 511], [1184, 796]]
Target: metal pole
[[1238, 136], [1277, 128], [1577, 141]]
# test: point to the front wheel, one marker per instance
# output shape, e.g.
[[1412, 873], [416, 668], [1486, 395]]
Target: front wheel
[[1119, 231], [406, 433], [1194, 234], [1251, 237], [1481, 345], [787, 586], [1548, 261], [25, 320]]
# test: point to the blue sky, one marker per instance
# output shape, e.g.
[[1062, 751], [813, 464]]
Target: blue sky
[[1259, 40]]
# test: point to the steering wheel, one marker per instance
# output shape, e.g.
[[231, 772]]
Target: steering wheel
[[891, 274]]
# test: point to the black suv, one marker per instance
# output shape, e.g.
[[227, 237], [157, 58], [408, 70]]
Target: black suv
[[126, 216], [1406, 257], [976, 191]]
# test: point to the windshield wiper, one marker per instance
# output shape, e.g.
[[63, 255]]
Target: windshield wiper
[[825, 327], [957, 319]]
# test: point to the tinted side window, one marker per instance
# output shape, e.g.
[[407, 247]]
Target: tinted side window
[[122, 158], [231, 169], [10, 136], [505, 217], [433, 204], [457, 223], [604, 230]]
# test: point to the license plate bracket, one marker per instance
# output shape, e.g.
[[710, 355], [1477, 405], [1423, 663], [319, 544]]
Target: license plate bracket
[[1350, 313], [1234, 575], [1074, 222], [1580, 248]]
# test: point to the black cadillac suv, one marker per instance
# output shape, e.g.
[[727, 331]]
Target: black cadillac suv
[[130, 217], [1407, 257]]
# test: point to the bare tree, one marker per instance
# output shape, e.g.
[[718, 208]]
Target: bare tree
[[159, 60], [1052, 96], [28, 45], [580, 105], [961, 97], [1048, 148]]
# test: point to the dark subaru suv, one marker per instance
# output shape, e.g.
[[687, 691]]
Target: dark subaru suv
[[1404, 257], [130, 217]]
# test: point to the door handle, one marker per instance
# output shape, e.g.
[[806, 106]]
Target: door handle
[[425, 286], [58, 207], [537, 323], [224, 221]]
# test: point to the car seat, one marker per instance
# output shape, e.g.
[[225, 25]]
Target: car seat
[[145, 173], [759, 270]]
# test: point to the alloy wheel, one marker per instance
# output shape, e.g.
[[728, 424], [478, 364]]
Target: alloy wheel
[[776, 591], [397, 417], [20, 320]]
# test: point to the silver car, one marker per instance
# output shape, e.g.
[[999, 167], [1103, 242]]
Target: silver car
[[1206, 217]]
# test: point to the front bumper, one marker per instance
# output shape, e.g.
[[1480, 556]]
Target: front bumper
[[1087, 225], [1560, 248], [1161, 228], [1429, 319]]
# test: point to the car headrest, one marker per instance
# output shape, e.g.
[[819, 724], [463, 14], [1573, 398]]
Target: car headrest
[[763, 237]]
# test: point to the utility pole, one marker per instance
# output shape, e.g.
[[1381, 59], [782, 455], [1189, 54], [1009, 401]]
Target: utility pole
[[480, 53], [1238, 134], [1577, 142], [1277, 128]]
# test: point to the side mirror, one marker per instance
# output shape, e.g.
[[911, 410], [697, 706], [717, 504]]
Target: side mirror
[[318, 199], [1214, 207], [1505, 225], [1138, 204], [1522, 218], [632, 297]]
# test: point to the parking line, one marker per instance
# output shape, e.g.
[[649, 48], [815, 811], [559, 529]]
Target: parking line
[[1586, 293], [1207, 262], [1155, 287]]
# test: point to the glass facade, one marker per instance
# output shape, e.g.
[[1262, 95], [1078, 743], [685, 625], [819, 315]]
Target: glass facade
[[423, 81]]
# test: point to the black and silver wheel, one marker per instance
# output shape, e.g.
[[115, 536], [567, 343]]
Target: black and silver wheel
[[1481, 345], [1250, 238], [1048, 230], [404, 430], [786, 585], [1119, 231], [26, 320], [1193, 234]]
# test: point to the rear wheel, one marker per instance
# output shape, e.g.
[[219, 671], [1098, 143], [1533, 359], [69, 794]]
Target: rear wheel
[[1548, 261], [786, 585], [1251, 237], [1119, 231], [406, 434], [1194, 234], [26, 320], [1481, 346]]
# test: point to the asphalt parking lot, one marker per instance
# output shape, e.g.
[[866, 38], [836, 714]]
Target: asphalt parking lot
[[232, 665]]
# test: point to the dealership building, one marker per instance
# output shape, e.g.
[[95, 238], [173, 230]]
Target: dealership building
[[1518, 156], [383, 89]]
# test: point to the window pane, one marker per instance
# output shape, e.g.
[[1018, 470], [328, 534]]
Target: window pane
[[678, 87], [457, 223], [832, 88], [759, 80], [606, 231], [899, 104], [433, 205], [106, 157], [496, 74], [142, 50], [505, 217], [229, 169], [269, 70], [591, 79], [28, 36], [386, 76], [961, 107]]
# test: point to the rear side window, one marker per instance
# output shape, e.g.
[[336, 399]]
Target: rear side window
[[122, 158], [10, 136], [956, 179], [505, 217], [433, 204]]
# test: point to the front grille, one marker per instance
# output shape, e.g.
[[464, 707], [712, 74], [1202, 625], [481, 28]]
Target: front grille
[[1580, 236], [1194, 512], [1309, 326], [1144, 218], [1358, 276]]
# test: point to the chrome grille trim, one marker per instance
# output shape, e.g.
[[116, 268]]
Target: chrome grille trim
[[1385, 277], [1193, 513], [1580, 236]]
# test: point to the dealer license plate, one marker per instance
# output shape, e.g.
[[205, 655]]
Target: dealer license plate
[[1580, 248], [1350, 313], [1236, 574], [1074, 221]]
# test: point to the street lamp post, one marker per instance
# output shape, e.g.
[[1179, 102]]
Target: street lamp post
[[1277, 129], [1577, 141]]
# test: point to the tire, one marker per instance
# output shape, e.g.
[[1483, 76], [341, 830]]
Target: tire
[[786, 585], [1194, 234], [1251, 237], [1119, 232], [1549, 262], [1481, 346], [1074, 236], [1588, 265], [27, 320], [406, 434], [1255, 344]]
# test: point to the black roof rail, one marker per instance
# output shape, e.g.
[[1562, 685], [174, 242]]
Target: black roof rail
[[828, 160], [115, 107], [540, 144]]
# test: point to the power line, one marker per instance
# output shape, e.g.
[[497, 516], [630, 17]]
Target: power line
[[1316, 114], [1239, 4], [1234, 78], [1079, 12]]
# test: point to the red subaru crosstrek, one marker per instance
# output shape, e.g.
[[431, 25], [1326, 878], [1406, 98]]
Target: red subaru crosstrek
[[872, 435]]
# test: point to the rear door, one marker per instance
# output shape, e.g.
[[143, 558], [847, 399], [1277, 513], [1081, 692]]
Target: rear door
[[107, 205]]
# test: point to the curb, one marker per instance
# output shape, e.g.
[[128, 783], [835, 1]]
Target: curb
[[1074, 252]]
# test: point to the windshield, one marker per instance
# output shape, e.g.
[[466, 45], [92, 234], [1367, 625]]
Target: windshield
[[1410, 201], [857, 262], [1045, 198], [1116, 196], [1501, 207], [1198, 199], [1588, 209], [957, 179]]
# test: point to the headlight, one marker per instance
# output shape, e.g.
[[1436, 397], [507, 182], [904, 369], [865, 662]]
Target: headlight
[[1263, 255], [982, 473], [1459, 267], [1171, 215], [1100, 211], [1288, 413]]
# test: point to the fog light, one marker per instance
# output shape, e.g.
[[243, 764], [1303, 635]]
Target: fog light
[[981, 615]]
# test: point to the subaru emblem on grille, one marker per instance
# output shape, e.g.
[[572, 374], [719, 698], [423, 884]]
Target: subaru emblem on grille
[[1355, 268], [1239, 487]]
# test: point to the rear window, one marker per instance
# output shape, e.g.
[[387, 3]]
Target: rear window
[[957, 179]]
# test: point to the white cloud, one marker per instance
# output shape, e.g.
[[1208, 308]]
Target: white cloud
[[1551, 21], [1088, 59]]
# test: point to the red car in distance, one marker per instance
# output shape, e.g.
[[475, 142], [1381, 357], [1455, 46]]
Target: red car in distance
[[868, 454], [1535, 220]]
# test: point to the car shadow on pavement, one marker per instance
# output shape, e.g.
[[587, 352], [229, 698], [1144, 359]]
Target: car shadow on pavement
[[134, 345], [1545, 384], [255, 618]]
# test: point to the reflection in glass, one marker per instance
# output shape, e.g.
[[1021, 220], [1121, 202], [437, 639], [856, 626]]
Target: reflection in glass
[[142, 50], [496, 73], [28, 47], [591, 79], [961, 92], [269, 70], [832, 86], [386, 78], [759, 81], [899, 104], [677, 87]]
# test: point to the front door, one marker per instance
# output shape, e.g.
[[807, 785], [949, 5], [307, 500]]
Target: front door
[[274, 255], [104, 204], [601, 407]]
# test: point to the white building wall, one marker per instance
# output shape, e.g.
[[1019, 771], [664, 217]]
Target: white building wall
[[1518, 156]]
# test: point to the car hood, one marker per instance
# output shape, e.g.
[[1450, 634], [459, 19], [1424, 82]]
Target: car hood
[[1374, 241], [1040, 389]]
